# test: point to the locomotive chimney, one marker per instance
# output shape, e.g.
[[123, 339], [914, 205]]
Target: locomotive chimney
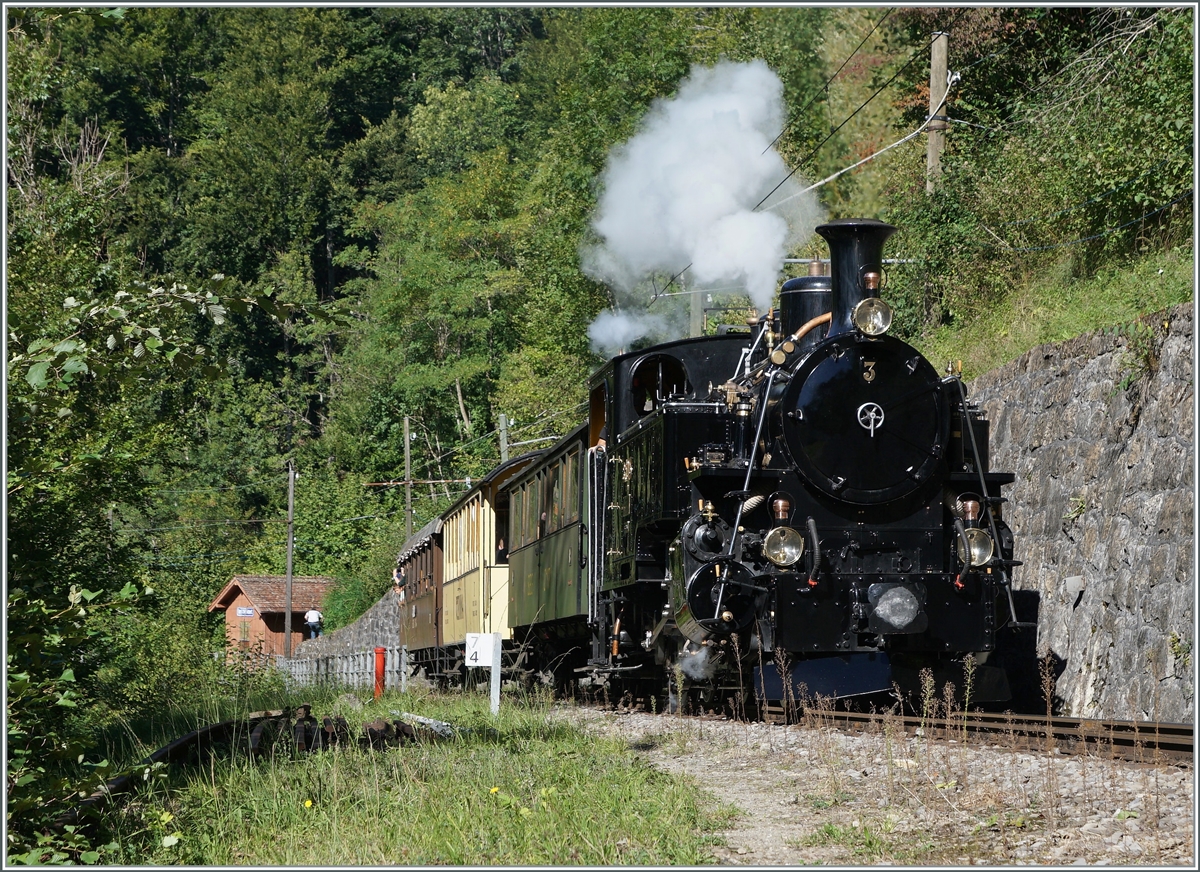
[[856, 265]]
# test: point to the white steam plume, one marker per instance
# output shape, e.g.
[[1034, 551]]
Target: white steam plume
[[697, 665], [683, 191]]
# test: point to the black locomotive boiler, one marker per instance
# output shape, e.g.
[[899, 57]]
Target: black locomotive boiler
[[804, 509]]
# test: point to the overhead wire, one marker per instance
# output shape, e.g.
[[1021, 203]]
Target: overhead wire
[[949, 84], [226, 522], [197, 490], [235, 522], [1108, 232], [824, 89], [863, 105], [201, 556]]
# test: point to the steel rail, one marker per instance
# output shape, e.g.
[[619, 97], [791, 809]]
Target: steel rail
[[1137, 741]]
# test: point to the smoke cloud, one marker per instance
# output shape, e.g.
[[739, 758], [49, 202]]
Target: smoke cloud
[[683, 192]]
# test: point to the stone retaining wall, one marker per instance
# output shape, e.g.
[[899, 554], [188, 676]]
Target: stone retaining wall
[[1099, 431], [378, 626]]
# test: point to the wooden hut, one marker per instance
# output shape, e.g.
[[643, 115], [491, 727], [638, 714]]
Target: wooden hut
[[255, 606]]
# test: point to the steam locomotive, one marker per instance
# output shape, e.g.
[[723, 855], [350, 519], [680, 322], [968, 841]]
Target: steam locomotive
[[802, 509]]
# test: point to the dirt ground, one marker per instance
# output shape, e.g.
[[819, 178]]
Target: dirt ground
[[817, 796]]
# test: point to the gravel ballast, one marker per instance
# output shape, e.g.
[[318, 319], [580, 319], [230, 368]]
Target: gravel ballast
[[807, 794]]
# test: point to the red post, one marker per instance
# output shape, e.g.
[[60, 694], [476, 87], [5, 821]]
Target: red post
[[380, 656]]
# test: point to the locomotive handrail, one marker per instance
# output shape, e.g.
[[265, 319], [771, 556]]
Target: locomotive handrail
[[962, 393], [734, 538], [762, 417], [1005, 581]]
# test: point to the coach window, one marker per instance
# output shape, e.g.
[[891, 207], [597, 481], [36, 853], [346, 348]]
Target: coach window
[[476, 518], [517, 515], [502, 532], [571, 489], [533, 511], [554, 495], [526, 526], [514, 513], [522, 518]]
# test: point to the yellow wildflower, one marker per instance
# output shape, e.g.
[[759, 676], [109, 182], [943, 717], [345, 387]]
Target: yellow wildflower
[[308, 803]]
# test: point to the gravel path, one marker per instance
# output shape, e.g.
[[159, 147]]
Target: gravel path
[[812, 795]]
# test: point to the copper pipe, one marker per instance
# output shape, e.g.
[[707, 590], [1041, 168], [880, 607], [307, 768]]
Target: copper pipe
[[815, 322], [616, 636]]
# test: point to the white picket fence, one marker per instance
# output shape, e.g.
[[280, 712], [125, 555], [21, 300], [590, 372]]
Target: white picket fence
[[355, 669]]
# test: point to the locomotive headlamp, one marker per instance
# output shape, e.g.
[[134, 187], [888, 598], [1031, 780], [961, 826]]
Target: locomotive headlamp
[[980, 545], [872, 316], [898, 606], [783, 546]]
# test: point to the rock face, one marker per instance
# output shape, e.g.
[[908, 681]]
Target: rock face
[[1099, 431], [378, 625]]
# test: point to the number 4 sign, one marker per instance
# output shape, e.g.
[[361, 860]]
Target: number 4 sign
[[483, 649]]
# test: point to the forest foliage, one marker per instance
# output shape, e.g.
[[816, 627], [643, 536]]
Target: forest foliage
[[239, 237]]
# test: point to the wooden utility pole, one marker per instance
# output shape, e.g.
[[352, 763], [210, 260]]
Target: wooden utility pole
[[287, 592], [407, 484], [696, 309], [938, 88], [504, 438]]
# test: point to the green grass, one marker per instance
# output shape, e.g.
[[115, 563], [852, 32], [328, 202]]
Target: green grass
[[861, 841], [1060, 308], [520, 789]]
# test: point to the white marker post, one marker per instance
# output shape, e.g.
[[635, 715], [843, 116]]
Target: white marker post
[[483, 649]]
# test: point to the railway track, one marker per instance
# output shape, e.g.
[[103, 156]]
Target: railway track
[[1136, 741]]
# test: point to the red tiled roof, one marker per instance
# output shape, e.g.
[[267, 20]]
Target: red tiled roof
[[269, 592]]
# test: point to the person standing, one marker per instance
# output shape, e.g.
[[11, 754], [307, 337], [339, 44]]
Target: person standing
[[313, 619]]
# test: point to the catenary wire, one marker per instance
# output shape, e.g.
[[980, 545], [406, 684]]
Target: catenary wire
[[1107, 232], [869, 157], [824, 89], [863, 105]]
